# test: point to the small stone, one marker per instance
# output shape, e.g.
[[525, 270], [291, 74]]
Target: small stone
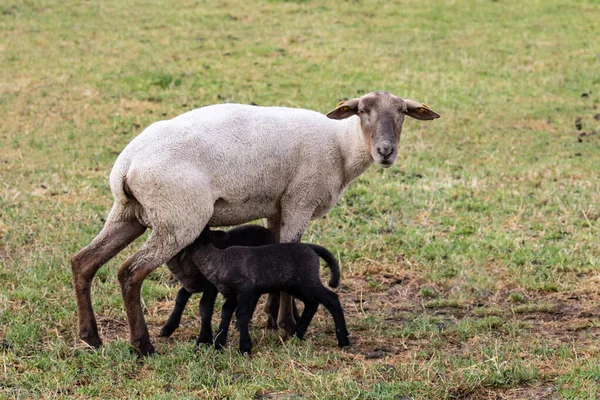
[[585, 94]]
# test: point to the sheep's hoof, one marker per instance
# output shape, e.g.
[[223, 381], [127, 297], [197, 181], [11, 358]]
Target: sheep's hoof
[[204, 341], [271, 323], [283, 334], [219, 346], [166, 331], [299, 335], [246, 349], [246, 352], [144, 348], [90, 336], [287, 328]]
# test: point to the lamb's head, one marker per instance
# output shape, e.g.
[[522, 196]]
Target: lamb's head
[[212, 237], [381, 116]]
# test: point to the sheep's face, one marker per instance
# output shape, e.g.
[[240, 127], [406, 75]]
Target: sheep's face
[[381, 117]]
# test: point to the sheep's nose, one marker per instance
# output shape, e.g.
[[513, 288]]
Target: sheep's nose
[[385, 149]]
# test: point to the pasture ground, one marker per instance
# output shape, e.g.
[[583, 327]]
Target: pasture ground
[[470, 269]]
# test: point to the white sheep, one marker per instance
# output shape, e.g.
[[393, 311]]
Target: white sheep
[[230, 164]]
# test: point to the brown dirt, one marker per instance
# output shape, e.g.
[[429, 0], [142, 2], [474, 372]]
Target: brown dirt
[[560, 319]]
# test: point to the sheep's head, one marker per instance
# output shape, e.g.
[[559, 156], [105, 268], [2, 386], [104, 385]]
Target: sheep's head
[[381, 116]]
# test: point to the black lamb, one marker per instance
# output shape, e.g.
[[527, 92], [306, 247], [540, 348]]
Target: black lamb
[[192, 281], [241, 274]]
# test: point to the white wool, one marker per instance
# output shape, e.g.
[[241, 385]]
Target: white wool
[[252, 161]]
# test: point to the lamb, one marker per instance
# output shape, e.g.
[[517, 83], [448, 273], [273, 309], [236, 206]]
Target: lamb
[[186, 272], [229, 164], [241, 274]]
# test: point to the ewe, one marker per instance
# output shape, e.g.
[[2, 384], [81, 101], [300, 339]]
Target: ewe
[[230, 164]]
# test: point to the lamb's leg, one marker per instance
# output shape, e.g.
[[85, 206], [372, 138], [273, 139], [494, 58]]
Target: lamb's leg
[[226, 314], [117, 233], [331, 301], [243, 313], [310, 308], [207, 305], [252, 310], [175, 318], [254, 303]]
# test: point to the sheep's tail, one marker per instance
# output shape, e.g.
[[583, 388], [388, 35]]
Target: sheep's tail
[[329, 258]]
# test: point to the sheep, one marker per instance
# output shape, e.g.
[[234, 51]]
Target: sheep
[[241, 274], [182, 267], [229, 164]]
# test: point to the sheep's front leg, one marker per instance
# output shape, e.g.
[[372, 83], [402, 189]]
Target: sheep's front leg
[[272, 303], [293, 224]]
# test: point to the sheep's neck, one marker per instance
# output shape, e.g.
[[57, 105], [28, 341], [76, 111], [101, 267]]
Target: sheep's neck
[[355, 150]]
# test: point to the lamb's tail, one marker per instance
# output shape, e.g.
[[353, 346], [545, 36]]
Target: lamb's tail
[[329, 258]]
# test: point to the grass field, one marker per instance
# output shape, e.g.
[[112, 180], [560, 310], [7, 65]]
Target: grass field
[[470, 269]]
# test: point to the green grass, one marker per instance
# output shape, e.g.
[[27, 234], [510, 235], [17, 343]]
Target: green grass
[[469, 268]]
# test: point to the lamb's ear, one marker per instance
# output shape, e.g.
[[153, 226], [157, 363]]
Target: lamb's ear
[[419, 110], [344, 109]]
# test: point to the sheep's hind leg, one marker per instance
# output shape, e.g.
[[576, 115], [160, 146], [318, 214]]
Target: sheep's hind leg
[[172, 231], [158, 249], [117, 233], [310, 308]]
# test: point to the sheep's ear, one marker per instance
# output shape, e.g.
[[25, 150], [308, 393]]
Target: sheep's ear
[[419, 110], [344, 109]]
